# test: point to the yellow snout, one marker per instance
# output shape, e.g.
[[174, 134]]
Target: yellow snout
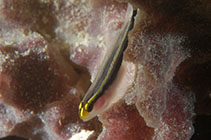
[[83, 111]]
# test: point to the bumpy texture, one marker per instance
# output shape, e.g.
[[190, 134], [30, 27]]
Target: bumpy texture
[[51, 50]]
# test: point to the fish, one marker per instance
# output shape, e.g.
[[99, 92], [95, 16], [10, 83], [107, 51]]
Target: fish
[[107, 73]]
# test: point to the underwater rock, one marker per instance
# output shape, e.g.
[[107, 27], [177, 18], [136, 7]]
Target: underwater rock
[[51, 51]]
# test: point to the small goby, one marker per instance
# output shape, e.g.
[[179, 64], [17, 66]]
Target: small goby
[[106, 74]]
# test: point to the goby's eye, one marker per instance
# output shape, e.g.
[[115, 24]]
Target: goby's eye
[[88, 107]]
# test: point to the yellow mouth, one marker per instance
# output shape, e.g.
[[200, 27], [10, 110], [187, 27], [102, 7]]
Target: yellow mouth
[[83, 112]]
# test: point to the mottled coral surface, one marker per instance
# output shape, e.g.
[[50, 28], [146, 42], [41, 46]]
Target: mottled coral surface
[[51, 51]]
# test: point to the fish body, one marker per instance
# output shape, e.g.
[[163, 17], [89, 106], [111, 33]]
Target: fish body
[[107, 73]]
